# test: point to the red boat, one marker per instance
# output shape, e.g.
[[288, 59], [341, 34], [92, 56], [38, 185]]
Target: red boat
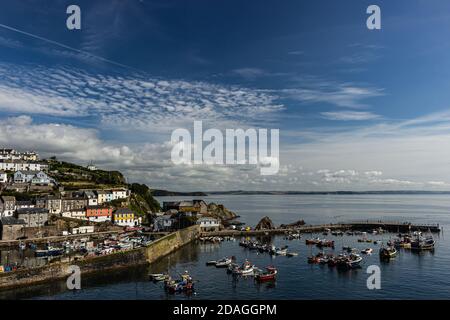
[[270, 274]]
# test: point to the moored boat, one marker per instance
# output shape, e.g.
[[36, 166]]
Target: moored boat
[[268, 275], [388, 252]]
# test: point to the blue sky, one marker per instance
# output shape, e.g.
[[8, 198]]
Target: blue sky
[[356, 109]]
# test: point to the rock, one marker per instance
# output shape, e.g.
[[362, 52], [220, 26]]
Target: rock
[[297, 224], [264, 224], [220, 212]]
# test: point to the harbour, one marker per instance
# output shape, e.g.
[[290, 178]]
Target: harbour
[[296, 278]]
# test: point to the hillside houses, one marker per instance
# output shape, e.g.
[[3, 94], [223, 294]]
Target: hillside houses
[[3, 177], [11, 154], [32, 176]]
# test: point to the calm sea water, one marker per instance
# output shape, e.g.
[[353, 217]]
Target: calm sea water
[[409, 276]]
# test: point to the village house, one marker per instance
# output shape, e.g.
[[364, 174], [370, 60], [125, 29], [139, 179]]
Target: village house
[[32, 176], [91, 198], [70, 203], [11, 154], [102, 196], [53, 204], [3, 177], [33, 217], [75, 214], [120, 193], [208, 224], [98, 213], [187, 208], [125, 217], [11, 228], [19, 165], [7, 206], [24, 204], [163, 223]]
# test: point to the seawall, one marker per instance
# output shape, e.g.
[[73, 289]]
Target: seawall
[[140, 256]]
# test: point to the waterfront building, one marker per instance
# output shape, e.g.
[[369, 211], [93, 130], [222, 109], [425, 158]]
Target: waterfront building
[[208, 224], [7, 206], [75, 214], [163, 223], [3, 177], [188, 207], [125, 217], [53, 204], [33, 217], [98, 213], [11, 228]]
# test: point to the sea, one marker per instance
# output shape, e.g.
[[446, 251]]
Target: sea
[[410, 275]]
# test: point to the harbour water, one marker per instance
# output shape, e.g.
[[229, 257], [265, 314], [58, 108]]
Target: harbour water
[[408, 276]]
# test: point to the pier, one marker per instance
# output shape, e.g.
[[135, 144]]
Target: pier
[[390, 226]]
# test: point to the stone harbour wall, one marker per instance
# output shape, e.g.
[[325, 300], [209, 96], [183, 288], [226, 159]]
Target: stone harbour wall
[[140, 256]]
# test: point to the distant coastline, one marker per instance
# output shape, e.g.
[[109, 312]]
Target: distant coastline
[[248, 192]]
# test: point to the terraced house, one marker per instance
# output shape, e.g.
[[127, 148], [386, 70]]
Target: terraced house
[[7, 206], [98, 213], [125, 217]]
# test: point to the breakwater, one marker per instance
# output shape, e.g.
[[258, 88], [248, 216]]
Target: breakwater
[[140, 256], [356, 225]]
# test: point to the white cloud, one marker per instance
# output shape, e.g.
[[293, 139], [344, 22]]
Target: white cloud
[[130, 101], [349, 115]]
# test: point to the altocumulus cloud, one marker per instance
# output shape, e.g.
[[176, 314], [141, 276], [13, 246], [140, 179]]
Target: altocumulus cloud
[[138, 101]]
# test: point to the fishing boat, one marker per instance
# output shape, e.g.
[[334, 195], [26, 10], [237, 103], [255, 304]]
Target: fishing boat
[[158, 277], [292, 254], [312, 241], [186, 284], [351, 261], [367, 251], [281, 251], [422, 243], [223, 263], [41, 252], [268, 275], [388, 252], [325, 243], [245, 270], [211, 263]]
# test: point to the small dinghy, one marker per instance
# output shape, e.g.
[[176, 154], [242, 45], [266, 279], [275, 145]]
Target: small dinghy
[[158, 277], [223, 263], [292, 254], [211, 263], [388, 252], [268, 275], [367, 251]]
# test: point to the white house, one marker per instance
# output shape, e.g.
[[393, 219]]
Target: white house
[[75, 214], [92, 198], [119, 193], [16, 165], [35, 177], [208, 224], [3, 177]]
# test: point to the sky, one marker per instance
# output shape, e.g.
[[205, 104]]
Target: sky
[[357, 109]]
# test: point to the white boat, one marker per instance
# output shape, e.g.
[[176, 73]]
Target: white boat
[[223, 263], [367, 251]]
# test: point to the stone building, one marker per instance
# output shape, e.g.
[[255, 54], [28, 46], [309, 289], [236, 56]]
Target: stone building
[[11, 228], [33, 217]]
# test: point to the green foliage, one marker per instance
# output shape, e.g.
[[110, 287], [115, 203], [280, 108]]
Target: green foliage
[[143, 192], [65, 172]]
